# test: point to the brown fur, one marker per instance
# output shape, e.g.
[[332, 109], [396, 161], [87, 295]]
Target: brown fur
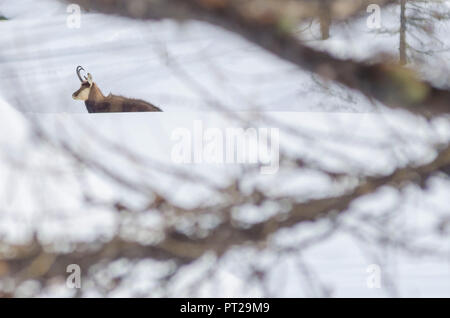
[[98, 103]]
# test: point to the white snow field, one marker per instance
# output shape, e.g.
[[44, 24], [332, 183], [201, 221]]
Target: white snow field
[[39, 187]]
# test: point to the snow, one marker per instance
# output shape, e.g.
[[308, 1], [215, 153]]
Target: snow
[[134, 58]]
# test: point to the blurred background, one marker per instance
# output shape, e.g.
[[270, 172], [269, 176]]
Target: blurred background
[[359, 206]]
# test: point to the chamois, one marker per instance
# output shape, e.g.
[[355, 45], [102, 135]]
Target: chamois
[[96, 102]]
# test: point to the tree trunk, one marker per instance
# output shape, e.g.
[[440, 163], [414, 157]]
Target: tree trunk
[[325, 20], [403, 56]]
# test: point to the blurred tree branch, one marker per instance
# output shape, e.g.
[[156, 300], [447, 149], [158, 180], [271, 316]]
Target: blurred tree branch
[[37, 261]]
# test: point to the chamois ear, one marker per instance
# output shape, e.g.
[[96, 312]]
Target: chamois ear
[[89, 78]]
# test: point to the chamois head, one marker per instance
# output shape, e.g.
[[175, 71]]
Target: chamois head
[[86, 84]]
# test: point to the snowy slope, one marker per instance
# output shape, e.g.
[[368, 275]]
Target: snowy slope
[[137, 64]]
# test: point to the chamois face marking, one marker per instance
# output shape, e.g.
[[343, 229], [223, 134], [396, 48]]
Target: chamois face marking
[[83, 92], [86, 84]]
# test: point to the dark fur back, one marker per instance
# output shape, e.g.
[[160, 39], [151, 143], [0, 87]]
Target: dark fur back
[[137, 105], [114, 103]]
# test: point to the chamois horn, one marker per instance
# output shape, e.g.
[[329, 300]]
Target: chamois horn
[[79, 68]]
